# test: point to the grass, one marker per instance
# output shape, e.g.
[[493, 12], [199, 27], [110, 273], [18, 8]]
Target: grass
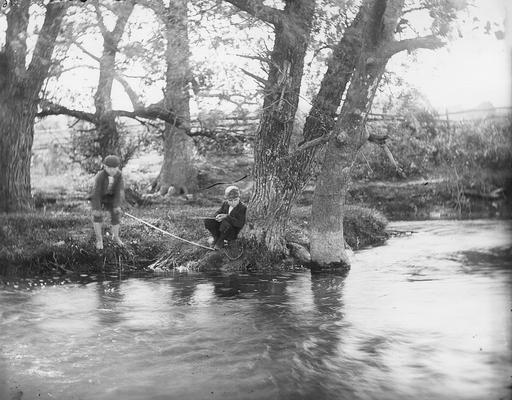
[[62, 242]]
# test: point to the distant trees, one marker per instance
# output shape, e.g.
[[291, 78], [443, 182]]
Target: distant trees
[[20, 87], [106, 138], [178, 170]]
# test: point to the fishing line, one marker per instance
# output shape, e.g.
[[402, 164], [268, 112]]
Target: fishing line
[[224, 183]]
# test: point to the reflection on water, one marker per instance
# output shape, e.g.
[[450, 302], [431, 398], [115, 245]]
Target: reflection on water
[[427, 316]]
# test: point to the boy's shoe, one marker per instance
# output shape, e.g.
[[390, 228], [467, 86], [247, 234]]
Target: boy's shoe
[[118, 241], [99, 245]]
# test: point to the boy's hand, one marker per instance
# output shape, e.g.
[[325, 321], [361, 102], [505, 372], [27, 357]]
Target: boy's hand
[[117, 210], [97, 213], [220, 217]]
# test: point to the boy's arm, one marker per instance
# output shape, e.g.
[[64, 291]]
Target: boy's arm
[[237, 219], [118, 192], [96, 192], [221, 210]]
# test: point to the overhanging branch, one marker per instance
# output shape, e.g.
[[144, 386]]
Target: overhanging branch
[[49, 108], [262, 81], [257, 9], [423, 42], [154, 111], [312, 143]]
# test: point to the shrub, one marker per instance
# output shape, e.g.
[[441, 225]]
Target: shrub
[[431, 147]]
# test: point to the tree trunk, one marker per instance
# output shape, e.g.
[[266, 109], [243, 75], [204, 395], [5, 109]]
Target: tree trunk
[[178, 169], [107, 134], [16, 138], [270, 203], [326, 227], [19, 97]]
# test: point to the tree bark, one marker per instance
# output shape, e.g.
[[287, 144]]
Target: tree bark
[[107, 134], [271, 201], [326, 226], [19, 98], [178, 169]]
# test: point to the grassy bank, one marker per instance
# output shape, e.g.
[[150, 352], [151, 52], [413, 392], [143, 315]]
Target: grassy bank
[[61, 242]]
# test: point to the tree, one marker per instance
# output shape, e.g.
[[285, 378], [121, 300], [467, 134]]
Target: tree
[[358, 59], [105, 119], [20, 88], [177, 169], [107, 133], [381, 22], [272, 196]]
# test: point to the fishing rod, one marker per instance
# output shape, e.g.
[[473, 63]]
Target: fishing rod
[[167, 233], [185, 240]]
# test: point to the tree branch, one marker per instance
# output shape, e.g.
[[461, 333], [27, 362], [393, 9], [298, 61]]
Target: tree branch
[[312, 143], [101, 24], [262, 81], [95, 58], [49, 108], [258, 58], [377, 139], [154, 111], [423, 42], [124, 15], [398, 169], [134, 97], [41, 58], [257, 9]]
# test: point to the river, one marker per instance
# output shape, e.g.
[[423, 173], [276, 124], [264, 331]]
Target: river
[[426, 316]]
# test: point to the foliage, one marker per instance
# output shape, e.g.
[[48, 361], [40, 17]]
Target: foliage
[[363, 227], [434, 147], [85, 148]]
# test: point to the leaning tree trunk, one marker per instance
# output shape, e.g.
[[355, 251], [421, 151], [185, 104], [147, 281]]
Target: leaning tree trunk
[[326, 227], [270, 203], [178, 169], [301, 165], [108, 138], [19, 97]]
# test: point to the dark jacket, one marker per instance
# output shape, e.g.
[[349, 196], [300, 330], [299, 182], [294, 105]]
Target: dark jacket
[[101, 186], [237, 216]]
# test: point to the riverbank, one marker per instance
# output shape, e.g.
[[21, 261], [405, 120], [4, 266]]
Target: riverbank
[[59, 239]]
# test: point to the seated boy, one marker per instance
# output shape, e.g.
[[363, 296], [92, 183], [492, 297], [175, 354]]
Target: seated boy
[[107, 194], [229, 219]]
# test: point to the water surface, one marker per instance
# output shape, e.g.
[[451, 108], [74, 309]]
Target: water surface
[[427, 316]]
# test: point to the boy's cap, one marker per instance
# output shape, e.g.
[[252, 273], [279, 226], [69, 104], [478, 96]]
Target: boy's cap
[[232, 192], [112, 161]]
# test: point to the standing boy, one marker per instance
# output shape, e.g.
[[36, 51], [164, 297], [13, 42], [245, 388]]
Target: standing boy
[[229, 218], [107, 194]]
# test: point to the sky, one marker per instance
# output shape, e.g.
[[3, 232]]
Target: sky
[[470, 70], [467, 72]]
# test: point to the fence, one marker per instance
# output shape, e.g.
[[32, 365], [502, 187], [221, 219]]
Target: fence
[[246, 127]]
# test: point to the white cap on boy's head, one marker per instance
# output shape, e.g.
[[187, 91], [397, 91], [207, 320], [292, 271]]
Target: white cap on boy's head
[[232, 192]]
